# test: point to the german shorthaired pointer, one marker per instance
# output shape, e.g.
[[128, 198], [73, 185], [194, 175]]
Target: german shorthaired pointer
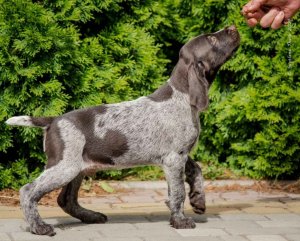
[[159, 129]]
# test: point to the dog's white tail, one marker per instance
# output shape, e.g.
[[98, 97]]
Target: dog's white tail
[[29, 121]]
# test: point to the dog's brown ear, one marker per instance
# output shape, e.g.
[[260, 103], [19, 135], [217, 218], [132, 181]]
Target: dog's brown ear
[[198, 87]]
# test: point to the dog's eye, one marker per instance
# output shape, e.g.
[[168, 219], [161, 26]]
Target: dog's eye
[[201, 64], [213, 40]]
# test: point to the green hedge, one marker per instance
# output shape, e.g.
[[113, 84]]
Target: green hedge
[[57, 56], [253, 122]]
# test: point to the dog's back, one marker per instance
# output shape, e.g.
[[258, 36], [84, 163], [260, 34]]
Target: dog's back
[[126, 134]]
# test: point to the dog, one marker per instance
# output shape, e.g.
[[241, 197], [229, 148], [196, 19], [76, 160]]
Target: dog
[[160, 129]]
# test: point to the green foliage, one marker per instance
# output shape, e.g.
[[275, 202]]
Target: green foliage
[[60, 55], [137, 173], [213, 170], [17, 175], [253, 119], [57, 56]]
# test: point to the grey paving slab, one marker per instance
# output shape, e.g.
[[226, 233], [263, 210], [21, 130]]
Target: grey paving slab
[[292, 237], [61, 235], [243, 217], [75, 235], [27, 236], [283, 217], [115, 239], [279, 223], [198, 232], [8, 225], [261, 231], [205, 238], [141, 215], [117, 227], [236, 224], [138, 230], [138, 199], [4, 237], [60, 221], [249, 195], [233, 238], [123, 218], [266, 238], [204, 217], [158, 230], [158, 217]]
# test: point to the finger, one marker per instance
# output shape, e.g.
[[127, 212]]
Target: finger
[[257, 15], [252, 22], [253, 6], [277, 22], [267, 20], [289, 13]]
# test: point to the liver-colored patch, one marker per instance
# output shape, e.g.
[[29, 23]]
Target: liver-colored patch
[[84, 119], [42, 121], [54, 146], [162, 94], [114, 144], [102, 150]]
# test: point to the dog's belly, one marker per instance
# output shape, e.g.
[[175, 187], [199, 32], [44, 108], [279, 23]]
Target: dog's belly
[[91, 167]]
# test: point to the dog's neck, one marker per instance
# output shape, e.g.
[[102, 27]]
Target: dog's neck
[[179, 78], [170, 92]]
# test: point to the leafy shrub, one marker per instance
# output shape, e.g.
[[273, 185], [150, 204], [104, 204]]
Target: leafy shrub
[[253, 119], [56, 56], [60, 55]]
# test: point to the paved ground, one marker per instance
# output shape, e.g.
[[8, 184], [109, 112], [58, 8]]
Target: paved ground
[[141, 215]]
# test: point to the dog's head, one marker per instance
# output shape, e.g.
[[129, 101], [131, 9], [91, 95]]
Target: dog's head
[[199, 61]]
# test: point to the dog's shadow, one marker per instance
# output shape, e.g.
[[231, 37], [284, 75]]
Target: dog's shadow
[[213, 212], [64, 223], [159, 217]]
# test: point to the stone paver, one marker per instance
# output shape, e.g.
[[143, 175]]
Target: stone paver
[[292, 237], [279, 224], [234, 238], [4, 237], [140, 214], [266, 238], [198, 232]]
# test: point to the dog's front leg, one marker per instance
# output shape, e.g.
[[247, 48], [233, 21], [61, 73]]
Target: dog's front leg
[[195, 180], [173, 166]]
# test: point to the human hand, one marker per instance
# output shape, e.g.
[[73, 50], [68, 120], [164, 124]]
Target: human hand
[[270, 12]]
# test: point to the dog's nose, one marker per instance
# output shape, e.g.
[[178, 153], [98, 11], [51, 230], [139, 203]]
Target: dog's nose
[[231, 30]]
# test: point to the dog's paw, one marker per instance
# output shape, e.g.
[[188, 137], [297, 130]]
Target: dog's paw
[[197, 201], [43, 229], [182, 222], [94, 217]]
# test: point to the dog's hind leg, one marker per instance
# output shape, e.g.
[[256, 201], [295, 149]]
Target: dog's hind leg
[[173, 166], [195, 180], [52, 178], [59, 175], [67, 200]]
